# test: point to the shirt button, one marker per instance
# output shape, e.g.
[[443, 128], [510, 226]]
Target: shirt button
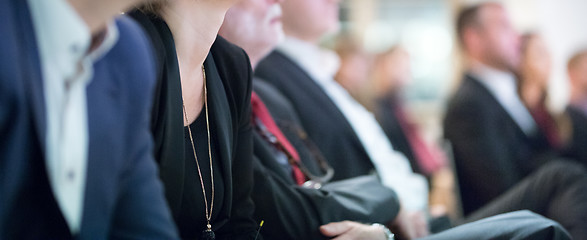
[[71, 175], [75, 48]]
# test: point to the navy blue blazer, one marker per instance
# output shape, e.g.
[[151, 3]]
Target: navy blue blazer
[[123, 196]]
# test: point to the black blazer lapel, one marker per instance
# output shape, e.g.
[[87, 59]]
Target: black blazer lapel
[[167, 114], [492, 101]]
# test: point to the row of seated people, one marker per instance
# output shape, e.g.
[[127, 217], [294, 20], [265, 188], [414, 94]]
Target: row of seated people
[[560, 135], [85, 169], [346, 133]]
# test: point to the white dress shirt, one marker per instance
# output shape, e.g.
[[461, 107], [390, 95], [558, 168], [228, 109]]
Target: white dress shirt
[[393, 167], [503, 86], [64, 39]]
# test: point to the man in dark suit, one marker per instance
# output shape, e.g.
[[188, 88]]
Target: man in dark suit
[[75, 94], [492, 132], [499, 152], [577, 70]]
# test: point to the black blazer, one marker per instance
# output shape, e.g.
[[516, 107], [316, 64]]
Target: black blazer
[[229, 84], [578, 146], [322, 119], [293, 212], [491, 152], [385, 115], [123, 197]]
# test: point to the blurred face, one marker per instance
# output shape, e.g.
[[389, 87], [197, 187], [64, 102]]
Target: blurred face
[[500, 43], [353, 71], [254, 25], [536, 60], [396, 70], [579, 76], [309, 20]]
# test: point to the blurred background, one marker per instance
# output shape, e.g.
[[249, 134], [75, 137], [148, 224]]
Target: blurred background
[[425, 29]]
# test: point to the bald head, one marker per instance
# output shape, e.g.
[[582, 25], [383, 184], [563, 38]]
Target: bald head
[[486, 34], [255, 26]]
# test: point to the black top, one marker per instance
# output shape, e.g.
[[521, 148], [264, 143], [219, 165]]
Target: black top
[[577, 148], [229, 82], [386, 116], [192, 220]]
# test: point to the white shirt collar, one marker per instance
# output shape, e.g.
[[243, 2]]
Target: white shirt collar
[[503, 86], [65, 37], [321, 63], [499, 82], [64, 41]]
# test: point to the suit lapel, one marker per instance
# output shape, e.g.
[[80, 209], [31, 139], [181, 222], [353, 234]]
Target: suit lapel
[[305, 82], [494, 102], [317, 95]]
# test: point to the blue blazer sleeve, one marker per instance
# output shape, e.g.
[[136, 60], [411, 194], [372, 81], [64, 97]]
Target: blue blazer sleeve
[[141, 211]]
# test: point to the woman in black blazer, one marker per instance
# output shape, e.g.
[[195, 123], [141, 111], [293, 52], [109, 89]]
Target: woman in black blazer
[[191, 56]]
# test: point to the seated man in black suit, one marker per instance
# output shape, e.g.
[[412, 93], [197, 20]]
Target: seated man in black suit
[[497, 144], [577, 70], [284, 159], [76, 153]]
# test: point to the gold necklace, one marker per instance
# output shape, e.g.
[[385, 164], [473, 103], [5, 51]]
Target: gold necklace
[[207, 233]]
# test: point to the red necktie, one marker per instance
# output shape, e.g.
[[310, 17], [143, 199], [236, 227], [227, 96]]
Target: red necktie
[[260, 111], [429, 158]]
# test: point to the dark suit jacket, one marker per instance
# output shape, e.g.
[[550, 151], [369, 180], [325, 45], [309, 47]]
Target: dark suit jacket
[[123, 196], [384, 112], [229, 84], [322, 119], [294, 212], [491, 151], [578, 146]]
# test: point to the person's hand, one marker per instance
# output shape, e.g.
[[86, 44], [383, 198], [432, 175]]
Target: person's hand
[[348, 230], [409, 225]]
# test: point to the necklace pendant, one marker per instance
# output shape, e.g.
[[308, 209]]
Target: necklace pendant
[[208, 234]]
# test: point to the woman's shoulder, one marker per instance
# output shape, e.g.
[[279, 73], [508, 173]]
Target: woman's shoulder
[[229, 57], [234, 68]]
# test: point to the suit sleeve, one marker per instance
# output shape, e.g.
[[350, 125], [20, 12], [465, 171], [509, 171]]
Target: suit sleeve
[[513, 225], [293, 212], [140, 208], [480, 154]]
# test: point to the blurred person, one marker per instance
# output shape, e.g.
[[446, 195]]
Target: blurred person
[[343, 130], [577, 109], [355, 67], [292, 209], [201, 119], [503, 161], [391, 74], [534, 74], [75, 157]]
